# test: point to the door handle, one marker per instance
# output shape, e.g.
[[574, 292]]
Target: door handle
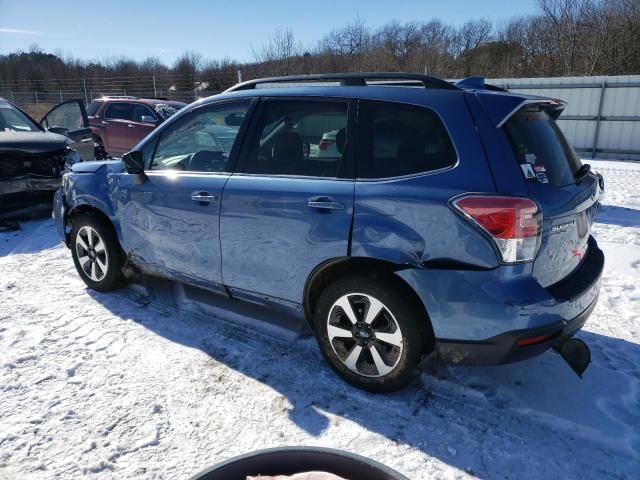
[[325, 203], [104, 123], [131, 126], [203, 197]]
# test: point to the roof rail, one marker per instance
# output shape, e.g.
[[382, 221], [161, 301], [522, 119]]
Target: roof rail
[[120, 97], [351, 79]]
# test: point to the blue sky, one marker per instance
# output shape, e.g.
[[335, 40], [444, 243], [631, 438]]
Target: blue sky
[[216, 29]]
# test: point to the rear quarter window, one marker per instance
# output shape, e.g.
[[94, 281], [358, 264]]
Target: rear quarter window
[[540, 147], [396, 140]]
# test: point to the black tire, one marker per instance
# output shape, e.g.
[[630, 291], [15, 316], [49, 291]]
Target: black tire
[[99, 151], [408, 316], [111, 256]]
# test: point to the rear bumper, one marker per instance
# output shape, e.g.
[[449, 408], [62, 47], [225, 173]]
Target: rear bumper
[[478, 316], [503, 348]]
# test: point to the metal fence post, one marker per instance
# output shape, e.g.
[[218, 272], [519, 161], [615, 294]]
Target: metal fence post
[[239, 76], [61, 100], [155, 94], [84, 86], [36, 92], [598, 119], [13, 98]]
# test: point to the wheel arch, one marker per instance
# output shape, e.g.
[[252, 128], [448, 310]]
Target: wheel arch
[[338, 267], [80, 209]]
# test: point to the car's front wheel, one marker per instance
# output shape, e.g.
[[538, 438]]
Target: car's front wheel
[[369, 332], [96, 252]]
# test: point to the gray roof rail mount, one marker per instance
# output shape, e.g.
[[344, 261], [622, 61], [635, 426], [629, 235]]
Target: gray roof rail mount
[[349, 79]]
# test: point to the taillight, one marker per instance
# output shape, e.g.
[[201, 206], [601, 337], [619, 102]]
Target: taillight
[[513, 223], [325, 143]]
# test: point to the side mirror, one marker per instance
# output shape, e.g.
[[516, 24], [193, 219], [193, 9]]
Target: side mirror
[[134, 161], [148, 119], [59, 130]]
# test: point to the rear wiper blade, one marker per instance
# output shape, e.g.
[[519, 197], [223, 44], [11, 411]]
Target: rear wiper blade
[[583, 171]]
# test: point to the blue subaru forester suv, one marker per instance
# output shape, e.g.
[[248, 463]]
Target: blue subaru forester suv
[[400, 214]]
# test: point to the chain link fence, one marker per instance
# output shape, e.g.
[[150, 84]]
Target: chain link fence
[[37, 97]]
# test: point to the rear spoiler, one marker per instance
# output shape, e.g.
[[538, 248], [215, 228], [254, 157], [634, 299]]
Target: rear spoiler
[[501, 107]]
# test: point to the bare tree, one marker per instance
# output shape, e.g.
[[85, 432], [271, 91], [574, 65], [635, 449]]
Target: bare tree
[[279, 52]]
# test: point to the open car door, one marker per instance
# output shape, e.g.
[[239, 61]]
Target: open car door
[[70, 119]]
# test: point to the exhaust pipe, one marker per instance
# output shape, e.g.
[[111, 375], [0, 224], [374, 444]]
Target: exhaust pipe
[[576, 353]]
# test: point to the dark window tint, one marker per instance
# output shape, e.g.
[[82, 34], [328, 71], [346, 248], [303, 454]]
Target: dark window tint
[[93, 108], [396, 140], [305, 138], [200, 142], [140, 111], [536, 140], [119, 111]]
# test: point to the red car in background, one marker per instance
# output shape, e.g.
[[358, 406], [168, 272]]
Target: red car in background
[[119, 123]]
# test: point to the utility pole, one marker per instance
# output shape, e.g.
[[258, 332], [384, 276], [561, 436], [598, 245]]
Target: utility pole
[[239, 76], [155, 94], [84, 86]]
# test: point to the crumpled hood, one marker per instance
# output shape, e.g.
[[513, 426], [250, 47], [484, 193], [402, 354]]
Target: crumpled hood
[[32, 142], [108, 166]]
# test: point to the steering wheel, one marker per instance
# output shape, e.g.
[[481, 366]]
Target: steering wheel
[[208, 161]]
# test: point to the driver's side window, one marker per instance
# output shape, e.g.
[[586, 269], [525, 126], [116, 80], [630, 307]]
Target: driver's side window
[[202, 141]]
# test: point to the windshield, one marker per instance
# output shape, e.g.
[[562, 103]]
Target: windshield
[[93, 108], [541, 148], [13, 120], [165, 110]]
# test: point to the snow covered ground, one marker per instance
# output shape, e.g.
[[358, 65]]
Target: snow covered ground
[[128, 385]]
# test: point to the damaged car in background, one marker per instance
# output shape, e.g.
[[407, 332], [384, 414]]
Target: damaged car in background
[[33, 156]]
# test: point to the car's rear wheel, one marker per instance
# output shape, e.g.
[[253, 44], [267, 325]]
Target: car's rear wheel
[[369, 331], [96, 252], [100, 153]]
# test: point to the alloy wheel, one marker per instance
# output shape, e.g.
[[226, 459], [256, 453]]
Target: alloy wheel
[[92, 253], [364, 335]]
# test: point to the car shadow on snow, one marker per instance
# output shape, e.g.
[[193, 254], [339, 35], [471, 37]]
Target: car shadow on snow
[[622, 216], [31, 236], [535, 418]]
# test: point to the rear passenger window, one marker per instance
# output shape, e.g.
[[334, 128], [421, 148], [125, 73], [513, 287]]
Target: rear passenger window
[[301, 138], [119, 111], [396, 140]]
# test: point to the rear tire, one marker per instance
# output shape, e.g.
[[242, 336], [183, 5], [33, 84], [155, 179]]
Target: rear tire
[[96, 253], [378, 344], [99, 152]]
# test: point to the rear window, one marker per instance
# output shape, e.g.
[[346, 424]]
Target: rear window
[[93, 108], [396, 140], [541, 149]]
